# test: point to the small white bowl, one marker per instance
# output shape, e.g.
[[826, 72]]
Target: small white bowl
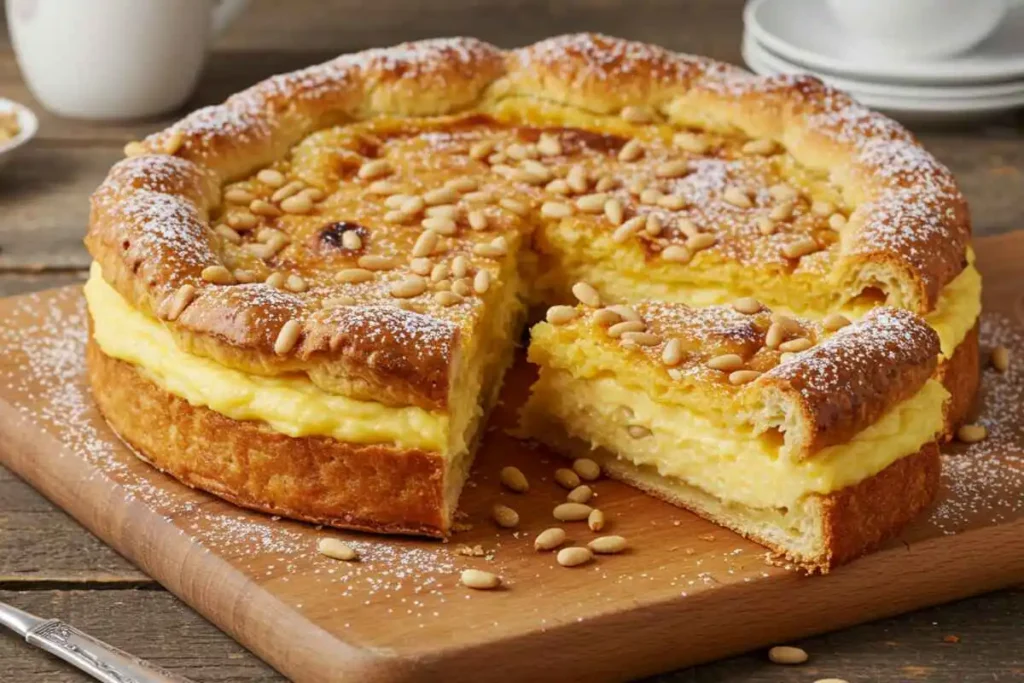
[[28, 124]]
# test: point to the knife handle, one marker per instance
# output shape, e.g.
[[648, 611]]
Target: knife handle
[[96, 658]]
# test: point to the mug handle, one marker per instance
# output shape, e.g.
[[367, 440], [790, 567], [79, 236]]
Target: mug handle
[[225, 12]]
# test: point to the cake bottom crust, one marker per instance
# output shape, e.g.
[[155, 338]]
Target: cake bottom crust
[[368, 487], [850, 521], [960, 374]]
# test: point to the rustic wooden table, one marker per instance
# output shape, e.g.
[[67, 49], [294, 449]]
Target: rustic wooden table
[[51, 566]]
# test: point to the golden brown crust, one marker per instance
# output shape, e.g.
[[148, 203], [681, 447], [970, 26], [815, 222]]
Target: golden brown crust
[[849, 380], [960, 374], [317, 479], [149, 226]]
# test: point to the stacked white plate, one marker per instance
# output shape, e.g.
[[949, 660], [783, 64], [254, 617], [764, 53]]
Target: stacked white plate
[[801, 36]]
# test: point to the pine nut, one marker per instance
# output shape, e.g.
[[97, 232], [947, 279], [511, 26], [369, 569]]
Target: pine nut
[[462, 287], [242, 220], [549, 146], [494, 249], [676, 168], [481, 281], [591, 203], [549, 539], [625, 312], [837, 221], [765, 225], [835, 321], [375, 262], [606, 317], [351, 240], [628, 229], [605, 183], [608, 545], [558, 186], [477, 220], [287, 337], [799, 248], [971, 433], [371, 170], [796, 345], [726, 362], [673, 202], [396, 216], [439, 272], [337, 301], [407, 205], [653, 225], [441, 195], [613, 211], [336, 549], [354, 275], [687, 227], [784, 654], [276, 280], [672, 354], [595, 520], [270, 177], [588, 469], [218, 275], [572, 512], [790, 324], [566, 478], [443, 226], [228, 234], [383, 187], [586, 295], [743, 376], [626, 327], [261, 207], [447, 298], [297, 204], [514, 480], [676, 253], [295, 283], [560, 315], [514, 205], [631, 151], [651, 196], [577, 179], [640, 338], [460, 266], [747, 305], [580, 494], [775, 336], [701, 241], [409, 287], [690, 142], [463, 184], [237, 195], [737, 197], [574, 556], [183, 296], [555, 210], [481, 149], [505, 517], [1001, 358], [478, 579]]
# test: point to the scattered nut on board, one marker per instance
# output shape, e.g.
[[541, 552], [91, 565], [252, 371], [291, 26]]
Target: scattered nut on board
[[572, 512], [514, 480], [549, 539], [580, 494], [504, 516], [566, 478], [1001, 358], [971, 433], [595, 520], [587, 469], [479, 579], [574, 556], [786, 654], [608, 545], [336, 549]]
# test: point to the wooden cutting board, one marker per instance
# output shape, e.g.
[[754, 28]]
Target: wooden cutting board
[[686, 592]]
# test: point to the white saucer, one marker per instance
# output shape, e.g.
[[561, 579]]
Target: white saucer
[[931, 109], [804, 32], [754, 50], [28, 124]]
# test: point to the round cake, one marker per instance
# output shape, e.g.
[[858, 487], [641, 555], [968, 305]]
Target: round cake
[[304, 299]]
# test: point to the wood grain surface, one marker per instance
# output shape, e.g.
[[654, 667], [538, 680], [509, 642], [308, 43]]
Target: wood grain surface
[[50, 564], [685, 592]]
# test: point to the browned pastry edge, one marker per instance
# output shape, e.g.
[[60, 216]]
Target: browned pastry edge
[[148, 223], [315, 479], [845, 383], [960, 374], [855, 519]]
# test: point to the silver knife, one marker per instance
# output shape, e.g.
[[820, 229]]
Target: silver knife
[[94, 657]]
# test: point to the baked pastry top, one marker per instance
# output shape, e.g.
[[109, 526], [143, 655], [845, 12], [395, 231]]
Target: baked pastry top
[[158, 220], [372, 229]]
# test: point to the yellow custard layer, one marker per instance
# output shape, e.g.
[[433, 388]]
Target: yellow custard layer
[[290, 405], [718, 452]]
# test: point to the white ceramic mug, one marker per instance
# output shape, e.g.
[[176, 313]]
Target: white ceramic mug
[[114, 59], [923, 29]]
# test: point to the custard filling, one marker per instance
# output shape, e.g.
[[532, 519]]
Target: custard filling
[[292, 404], [716, 451]]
